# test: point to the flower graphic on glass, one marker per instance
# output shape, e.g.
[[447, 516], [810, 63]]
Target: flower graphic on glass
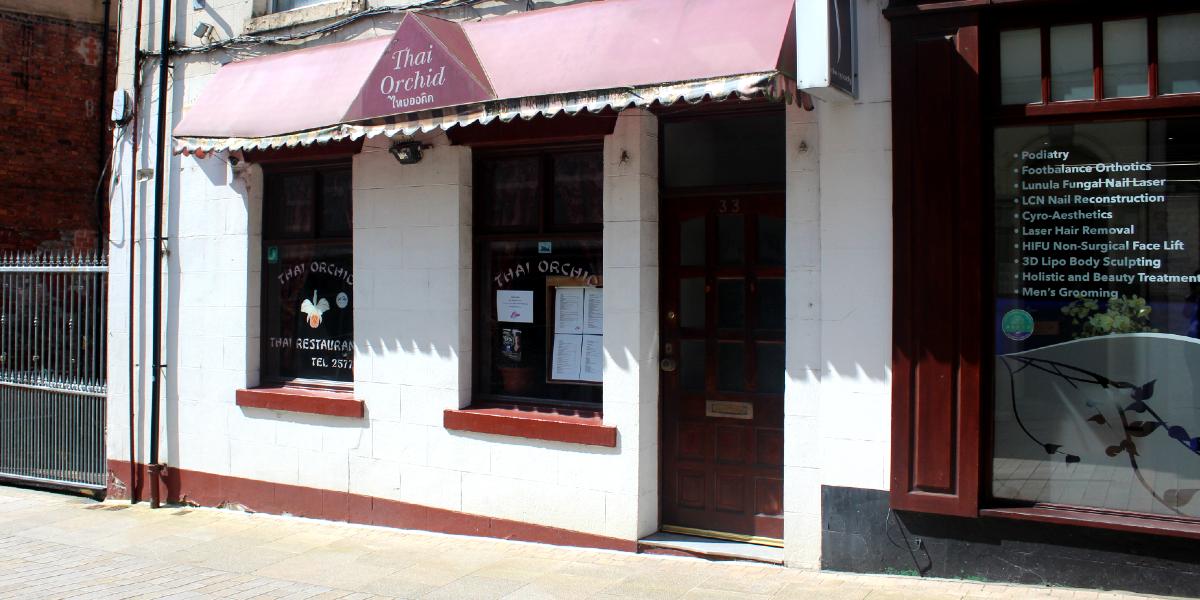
[[314, 308]]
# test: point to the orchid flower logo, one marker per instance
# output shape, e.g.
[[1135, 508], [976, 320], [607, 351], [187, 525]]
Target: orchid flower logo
[[314, 309]]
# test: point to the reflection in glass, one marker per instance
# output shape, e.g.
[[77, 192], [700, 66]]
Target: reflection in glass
[[731, 366], [1179, 54], [731, 239], [731, 303], [1125, 60], [771, 242], [336, 204], [513, 186], [771, 307], [1071, 63], [770, 367], [691, 302], [692, 242], [1021, 66], [691, 365], [578, 188]]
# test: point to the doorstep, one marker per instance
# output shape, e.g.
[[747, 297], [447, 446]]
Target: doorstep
[[713, 549]]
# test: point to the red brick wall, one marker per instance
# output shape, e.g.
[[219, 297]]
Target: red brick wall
[[50, 153]]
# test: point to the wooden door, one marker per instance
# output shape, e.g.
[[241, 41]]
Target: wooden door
[[722, 325]]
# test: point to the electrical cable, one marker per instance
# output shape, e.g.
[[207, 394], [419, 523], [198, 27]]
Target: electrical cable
[[255, 40]]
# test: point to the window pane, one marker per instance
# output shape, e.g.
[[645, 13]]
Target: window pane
[[770, 367], [282, 5], [1071, 63], [308, 297], [515, 351], [289, 210], [731, 367], [692, 242], [578, 188], [771, 308], [1021, 66], [731, 239], [1179, 54], [1097, 315], [335, 204], [717, 151], [1125, 60], [770, 241], [731, 303], [691, 365], [512, 186], [691, 302]]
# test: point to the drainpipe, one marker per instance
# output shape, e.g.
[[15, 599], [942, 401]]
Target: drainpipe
[[102, 126], [160, 172], [134, 130]]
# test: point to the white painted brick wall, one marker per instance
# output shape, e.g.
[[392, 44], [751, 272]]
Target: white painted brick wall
[[838, 391]]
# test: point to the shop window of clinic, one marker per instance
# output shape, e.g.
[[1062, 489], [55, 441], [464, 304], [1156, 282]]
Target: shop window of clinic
[[1179, 54], [1126, 63], [1021, 66], [308, 277], [538, 267], [1097, 316], [724, 150]]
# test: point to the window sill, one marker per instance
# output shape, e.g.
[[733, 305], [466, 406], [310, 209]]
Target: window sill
[[573, 427], [301, 16], [1165, 526], [302, 400]]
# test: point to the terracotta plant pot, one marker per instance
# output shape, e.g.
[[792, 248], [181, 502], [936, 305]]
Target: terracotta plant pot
[[516, 380]]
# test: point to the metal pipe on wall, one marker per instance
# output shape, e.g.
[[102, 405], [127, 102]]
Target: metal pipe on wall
[[160, 171], [133, 183], [102, 125]]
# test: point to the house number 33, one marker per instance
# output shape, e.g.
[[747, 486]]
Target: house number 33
[[730, 206]]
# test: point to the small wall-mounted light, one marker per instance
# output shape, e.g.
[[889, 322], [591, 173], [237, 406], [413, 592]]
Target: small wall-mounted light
[[407, 153], [202, 30]]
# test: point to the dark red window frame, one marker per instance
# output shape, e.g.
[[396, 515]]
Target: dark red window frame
[[946, 103]]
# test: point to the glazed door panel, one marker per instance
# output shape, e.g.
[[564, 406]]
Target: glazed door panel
[[722, 352]]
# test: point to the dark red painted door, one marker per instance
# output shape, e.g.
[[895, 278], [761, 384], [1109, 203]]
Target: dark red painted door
[[722, 352]]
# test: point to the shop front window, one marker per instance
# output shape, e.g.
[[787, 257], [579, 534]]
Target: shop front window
[[1097, 315], [308, 275], [539, 287]]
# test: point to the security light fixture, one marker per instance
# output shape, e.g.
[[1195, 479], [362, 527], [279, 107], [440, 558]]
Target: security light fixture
[[407, 153]]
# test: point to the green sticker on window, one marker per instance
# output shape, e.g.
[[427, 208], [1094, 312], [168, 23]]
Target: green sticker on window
[[272, 254], [1017, 324]]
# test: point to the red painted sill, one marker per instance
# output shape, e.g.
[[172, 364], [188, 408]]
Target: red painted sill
[[574, 427], [302, 400]]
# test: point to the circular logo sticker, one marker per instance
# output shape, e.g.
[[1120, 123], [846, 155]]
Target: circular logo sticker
[[1017, 324], [342, 300]]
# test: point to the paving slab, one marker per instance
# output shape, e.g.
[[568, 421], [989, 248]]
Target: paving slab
[[61, 546]]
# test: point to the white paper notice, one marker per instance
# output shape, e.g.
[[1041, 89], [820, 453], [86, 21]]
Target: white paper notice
[[514, 306], [593, 311], [591, 366], [568, 353], [568, 310]]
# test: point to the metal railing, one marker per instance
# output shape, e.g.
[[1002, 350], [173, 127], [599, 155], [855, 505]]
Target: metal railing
[[53, 318]]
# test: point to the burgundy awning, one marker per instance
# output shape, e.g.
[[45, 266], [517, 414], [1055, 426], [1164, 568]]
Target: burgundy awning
[[433, 73]]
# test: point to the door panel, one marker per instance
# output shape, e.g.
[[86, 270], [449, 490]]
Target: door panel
[[722, 329]]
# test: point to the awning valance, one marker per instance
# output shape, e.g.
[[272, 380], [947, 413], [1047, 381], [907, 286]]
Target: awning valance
[[432, 74]]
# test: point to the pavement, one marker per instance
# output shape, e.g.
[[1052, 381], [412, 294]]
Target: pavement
[[61, 546]]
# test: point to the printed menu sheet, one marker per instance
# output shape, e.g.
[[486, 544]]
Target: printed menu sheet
[[578, 351], [514, 306]]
